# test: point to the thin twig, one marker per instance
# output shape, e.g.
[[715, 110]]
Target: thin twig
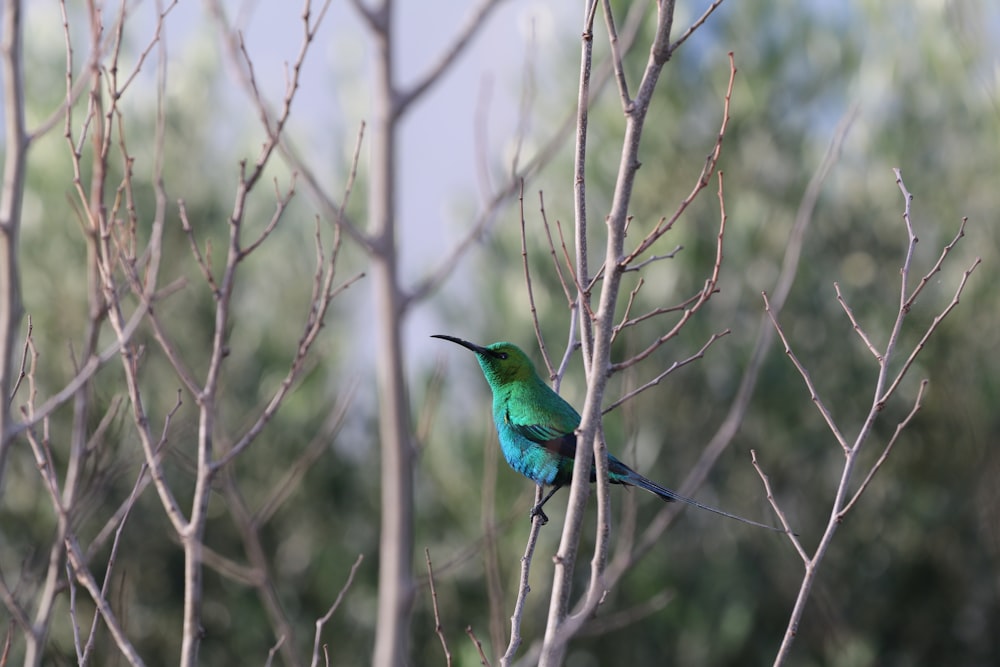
[[572, 345], [552, 250], [930, 330], [274, 651], [854, 322], [656, 312], [281, 203], [83, 575], [937, 265], [628, 307], [638, 266], [24, 360], [583, 292], [694, 26], [475, 22], [74, 622], [523, 588], [607, 623], [777, 508], [616, 57], [438, 630], [673, 367], [531, 292], [703, 178], [709, 289], [917, 404], [813, 393], [479, 646], [320, 622]]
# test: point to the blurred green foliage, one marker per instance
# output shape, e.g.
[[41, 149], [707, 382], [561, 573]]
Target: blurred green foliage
[[912, 575]]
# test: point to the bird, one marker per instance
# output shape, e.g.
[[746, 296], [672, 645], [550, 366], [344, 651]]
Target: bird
[[537, 428]]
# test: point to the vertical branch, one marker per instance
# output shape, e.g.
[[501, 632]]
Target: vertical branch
[[523, 589], [580, 185], [396, 587], [16, 145], [95, 315], [590, 435]]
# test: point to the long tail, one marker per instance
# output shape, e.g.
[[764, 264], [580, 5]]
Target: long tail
[[635, 479]]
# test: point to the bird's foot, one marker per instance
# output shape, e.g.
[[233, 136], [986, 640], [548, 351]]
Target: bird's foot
[[537, 511]]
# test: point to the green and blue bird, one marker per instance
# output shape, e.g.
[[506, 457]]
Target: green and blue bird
[[537, 428]]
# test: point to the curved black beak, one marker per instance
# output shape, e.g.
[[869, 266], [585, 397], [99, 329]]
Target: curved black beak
[[478, 349]]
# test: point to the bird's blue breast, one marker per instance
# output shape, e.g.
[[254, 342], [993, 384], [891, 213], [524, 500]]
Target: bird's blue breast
[[525, 456], [537, 439]]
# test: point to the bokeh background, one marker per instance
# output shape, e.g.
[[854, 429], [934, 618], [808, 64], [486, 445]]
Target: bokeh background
[[913, 576]]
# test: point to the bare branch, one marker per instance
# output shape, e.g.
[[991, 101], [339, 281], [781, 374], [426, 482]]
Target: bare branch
[[655, 258], [682, 306], [204, 261], [333, 608], [930, 330], [435, 277], [17, 613], [552, 249], [628, 306], [72, 616], [281, 202], [438, 630], [109, 567], [374, 19], [857, 327], [616, 56], [694, 26], [917, 404], [24, 360], [83, 575], [531, 293], [937, 266], [479, 646], [710, 288], [324, 292], [582, 273], [316, 447], [154, 40], [813, 394], [842, 503], [583, 293], [607, 623], [16, 143], [475, 22], [703, 179], [274, 651], [523, 588], [572, 345], [777, 509], [673, 367], [596, 335], [114, 523]]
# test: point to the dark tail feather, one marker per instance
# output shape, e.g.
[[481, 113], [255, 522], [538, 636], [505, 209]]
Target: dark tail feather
[[635, 479]]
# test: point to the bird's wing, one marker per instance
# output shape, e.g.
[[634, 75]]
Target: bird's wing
[[539, 433], [556, 440]]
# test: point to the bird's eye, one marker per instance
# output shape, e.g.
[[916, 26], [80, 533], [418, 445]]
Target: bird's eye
[[503, 355]]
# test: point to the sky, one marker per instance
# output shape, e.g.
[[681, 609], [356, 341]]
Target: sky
[[438, 171]]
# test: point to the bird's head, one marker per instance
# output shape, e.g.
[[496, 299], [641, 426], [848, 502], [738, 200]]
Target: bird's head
[[502, 362]]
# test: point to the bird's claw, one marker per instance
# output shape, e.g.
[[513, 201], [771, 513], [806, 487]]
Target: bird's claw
[[537, 511]]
